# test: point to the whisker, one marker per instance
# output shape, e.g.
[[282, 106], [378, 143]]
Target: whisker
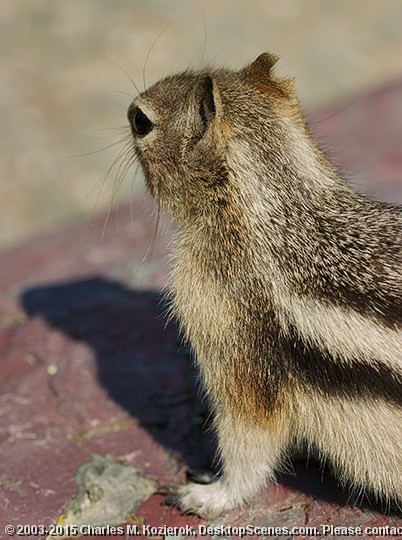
[[99, 150], [113, 135], [124, 107], [123, 168], [205, 38], [146, 208], [125, 127], [122, 132], [109, 170], [150, 50], [148, 255], [121, 173], [124, 93], [106, 221], [132, 193], [121, 157], [331, 115], [123, 70]]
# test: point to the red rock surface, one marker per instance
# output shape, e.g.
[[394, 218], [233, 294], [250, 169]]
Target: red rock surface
[[87, 363]]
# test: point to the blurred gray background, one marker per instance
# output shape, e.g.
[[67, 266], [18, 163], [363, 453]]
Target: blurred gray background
[[60, 97]]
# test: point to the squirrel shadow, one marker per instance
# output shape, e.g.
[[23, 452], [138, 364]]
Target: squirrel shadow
[[140, 359], [146, 370]]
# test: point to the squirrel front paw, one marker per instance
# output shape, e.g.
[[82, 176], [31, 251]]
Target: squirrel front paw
[[205, 500]]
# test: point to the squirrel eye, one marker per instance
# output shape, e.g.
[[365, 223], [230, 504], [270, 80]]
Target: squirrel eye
[[140, 123]]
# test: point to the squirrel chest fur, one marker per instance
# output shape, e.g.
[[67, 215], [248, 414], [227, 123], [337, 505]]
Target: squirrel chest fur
[[285, 281]]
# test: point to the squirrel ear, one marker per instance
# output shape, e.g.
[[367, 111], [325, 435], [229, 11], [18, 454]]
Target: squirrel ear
[[261, 67], [260, 71], [211, 104], [207, 106]]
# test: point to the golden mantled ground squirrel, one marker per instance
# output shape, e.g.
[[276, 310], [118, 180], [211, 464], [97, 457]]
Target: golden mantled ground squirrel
[[286, 283]]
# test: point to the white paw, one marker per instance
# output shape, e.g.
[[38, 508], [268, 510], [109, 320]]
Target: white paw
[[205, 500]]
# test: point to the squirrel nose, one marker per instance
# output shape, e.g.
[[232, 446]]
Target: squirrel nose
[[141, 125]]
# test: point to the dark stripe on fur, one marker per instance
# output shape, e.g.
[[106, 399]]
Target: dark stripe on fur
[[333, 377], [342, 250]]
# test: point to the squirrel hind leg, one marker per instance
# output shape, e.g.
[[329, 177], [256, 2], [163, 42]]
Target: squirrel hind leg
[[350, 435]]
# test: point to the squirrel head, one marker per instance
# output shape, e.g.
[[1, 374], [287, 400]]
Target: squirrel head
[[184, 126]]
